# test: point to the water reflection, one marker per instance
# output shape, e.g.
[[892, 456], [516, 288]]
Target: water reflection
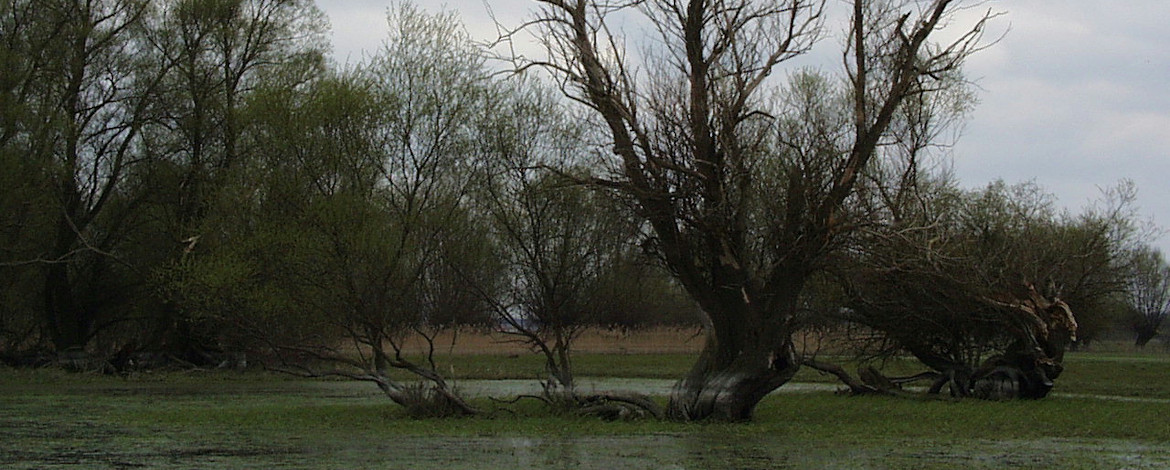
[[697, 451], [708, 449], [710, 452]]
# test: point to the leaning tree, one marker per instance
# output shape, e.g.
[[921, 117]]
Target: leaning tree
[[744, 202], [982, 286]]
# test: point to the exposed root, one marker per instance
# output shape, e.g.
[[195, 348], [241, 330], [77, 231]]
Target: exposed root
[[609, 406], [520, 397], [614, 407], [873, 382], [929, 375], [873, 378], [423, 400], [893, 386], [856, 387]]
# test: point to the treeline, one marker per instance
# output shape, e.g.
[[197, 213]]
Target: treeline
[[195, 176]]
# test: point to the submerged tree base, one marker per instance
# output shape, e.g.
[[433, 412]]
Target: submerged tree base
[[610, 406], [731, 393]]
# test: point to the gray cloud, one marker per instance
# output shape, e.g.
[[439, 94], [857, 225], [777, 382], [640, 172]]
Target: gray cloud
[[1075, 98]]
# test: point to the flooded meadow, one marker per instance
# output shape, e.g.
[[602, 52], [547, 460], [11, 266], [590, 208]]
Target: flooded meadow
[[295, 424]]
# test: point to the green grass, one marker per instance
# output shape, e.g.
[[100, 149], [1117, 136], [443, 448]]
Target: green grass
[[812, 416], [52, 419], [1129, 375]]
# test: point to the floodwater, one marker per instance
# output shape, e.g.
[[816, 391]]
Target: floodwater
[[69, 439], [701, 451], [698, 451]]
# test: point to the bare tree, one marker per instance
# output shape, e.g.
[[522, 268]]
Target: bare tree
[[1149, 295], [692, 138], [554, 239]]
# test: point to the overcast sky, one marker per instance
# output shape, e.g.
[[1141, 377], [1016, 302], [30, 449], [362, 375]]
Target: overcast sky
[[1075, 97]]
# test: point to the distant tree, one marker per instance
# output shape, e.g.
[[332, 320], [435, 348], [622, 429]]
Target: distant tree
[[553, 239], [76, 97], [1148, 295], [201, 139], [636, 293]]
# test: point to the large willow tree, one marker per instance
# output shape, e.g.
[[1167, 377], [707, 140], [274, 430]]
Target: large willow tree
[[746, 191]]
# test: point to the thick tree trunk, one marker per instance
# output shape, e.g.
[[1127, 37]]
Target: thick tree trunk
[[1010, 381], [1144, 335], [68, 323], [856, 387], [748, 352], [730, 390]]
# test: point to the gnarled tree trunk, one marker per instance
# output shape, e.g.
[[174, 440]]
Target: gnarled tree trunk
[[748, 354], [730, 390]]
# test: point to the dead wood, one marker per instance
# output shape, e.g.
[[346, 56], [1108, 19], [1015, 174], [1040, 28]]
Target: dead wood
[[621, 406], [856, 387]]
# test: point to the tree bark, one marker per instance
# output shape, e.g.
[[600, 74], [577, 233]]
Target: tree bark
[[730, 392], [748, 354], [855, 386], [1144, 335], [68, 323]]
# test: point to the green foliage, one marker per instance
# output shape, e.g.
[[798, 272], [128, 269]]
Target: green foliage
[[121, 129], [347, 226]]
